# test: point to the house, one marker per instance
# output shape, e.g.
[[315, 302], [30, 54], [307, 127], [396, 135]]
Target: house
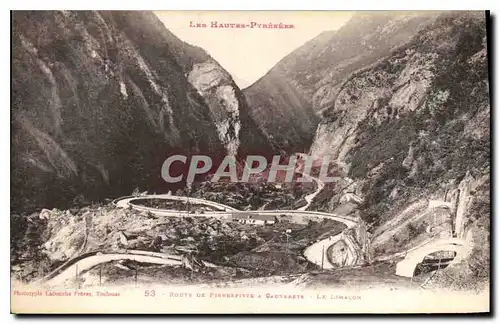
[[257, 219]]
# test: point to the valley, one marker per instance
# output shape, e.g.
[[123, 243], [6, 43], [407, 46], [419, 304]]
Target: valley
[[397, 104]]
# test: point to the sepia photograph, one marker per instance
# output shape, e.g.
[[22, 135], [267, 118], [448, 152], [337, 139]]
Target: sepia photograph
[[250, 162]]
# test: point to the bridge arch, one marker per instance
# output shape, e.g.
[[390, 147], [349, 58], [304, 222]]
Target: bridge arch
[[406, 267]]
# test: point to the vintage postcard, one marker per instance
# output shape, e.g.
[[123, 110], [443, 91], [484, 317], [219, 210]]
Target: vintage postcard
[[250, 162]]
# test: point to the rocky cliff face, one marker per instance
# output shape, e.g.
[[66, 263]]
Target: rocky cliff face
[[414, 125], [100, 99], [287, 102]]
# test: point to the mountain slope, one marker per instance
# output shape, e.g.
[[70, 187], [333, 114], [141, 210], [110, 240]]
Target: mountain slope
[[100, 99], [413, 132], [287, 101]]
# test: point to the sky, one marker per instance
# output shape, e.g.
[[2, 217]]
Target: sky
[[248, 53]]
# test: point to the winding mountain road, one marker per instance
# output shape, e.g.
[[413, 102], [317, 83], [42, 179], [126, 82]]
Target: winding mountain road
[[124, 202], [315, 253], [310, 198], [82, 263], [85, 262], [406, 267], [91, 261]]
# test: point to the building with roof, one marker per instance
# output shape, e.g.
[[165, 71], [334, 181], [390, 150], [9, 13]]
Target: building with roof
[[257, 219]]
